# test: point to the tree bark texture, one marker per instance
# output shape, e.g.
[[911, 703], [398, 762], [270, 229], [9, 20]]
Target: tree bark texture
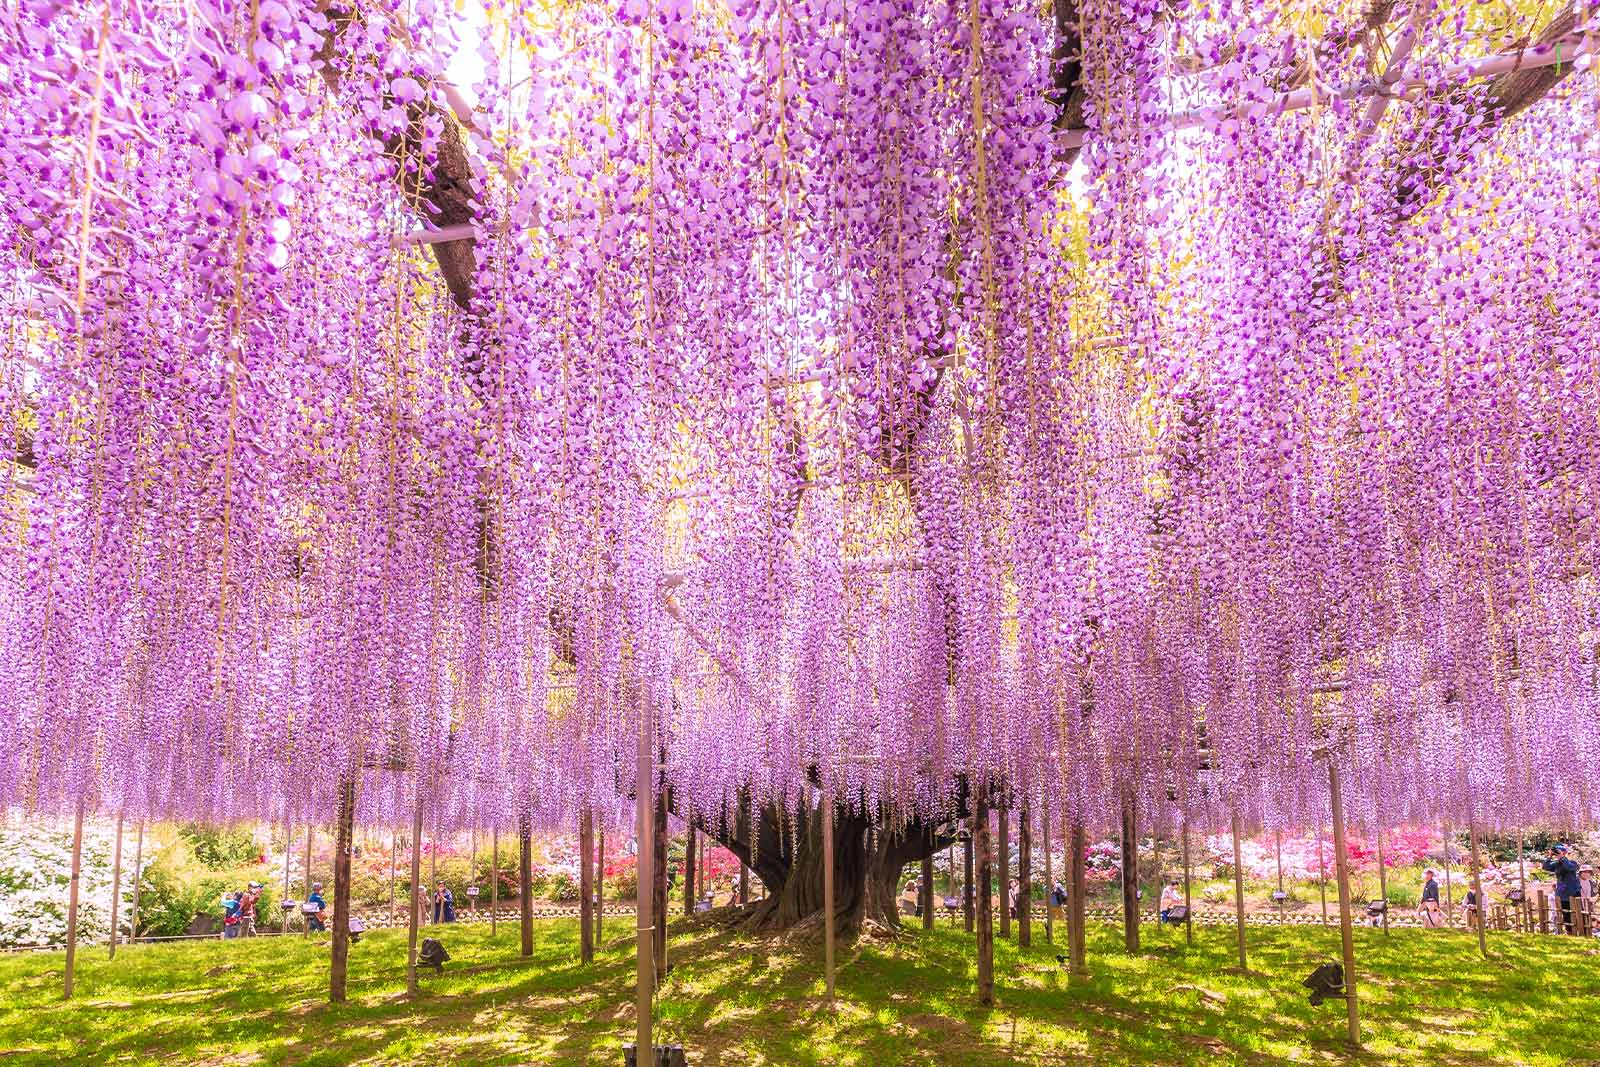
[[983, 856], [1024, 877], [344, 832]]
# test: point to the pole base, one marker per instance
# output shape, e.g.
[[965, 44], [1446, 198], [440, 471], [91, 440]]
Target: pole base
[[665, 1056]]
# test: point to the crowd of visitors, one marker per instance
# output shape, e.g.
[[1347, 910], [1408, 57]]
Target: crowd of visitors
[[239, 911]]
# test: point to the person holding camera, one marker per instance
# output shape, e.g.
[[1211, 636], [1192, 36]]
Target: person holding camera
[[1561, 864]]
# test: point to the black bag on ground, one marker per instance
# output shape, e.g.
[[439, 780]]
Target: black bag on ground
[[1324, 982], [432, 954]]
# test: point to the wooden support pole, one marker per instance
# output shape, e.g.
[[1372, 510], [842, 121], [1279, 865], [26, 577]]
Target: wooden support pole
[[394, 863], [1477, 889], [1383, 878], [344, 834], [1449, 893], [138, 880], [1077, 894], [1346, 935], [306, 894], [1024, 876], [585, 887], [414, 918], [525, 879], [744, 832], [688, 871], [1322, 876], [437, 909], [72, 900], [494, 882], [658, 881], [116, 888], [1522, 873], [1282, 902], [644, 941], [967, 896], [927, 892], [1238, 893], [984, 859], [1049, 873], [1130, 871], [827, 894], [600, 890], [1188, 899], [1003, 817]]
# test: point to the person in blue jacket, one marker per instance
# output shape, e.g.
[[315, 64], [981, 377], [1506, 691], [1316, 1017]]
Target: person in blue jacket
[[316, 920], [1565, 868]]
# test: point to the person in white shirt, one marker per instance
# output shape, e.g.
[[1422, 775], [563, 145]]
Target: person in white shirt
[[1171, 897]]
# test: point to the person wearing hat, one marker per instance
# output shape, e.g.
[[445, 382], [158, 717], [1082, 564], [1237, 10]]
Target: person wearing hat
[[1432, 917], [1565, 868]]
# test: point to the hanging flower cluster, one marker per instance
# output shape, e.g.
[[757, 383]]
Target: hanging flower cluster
[[778, 389]]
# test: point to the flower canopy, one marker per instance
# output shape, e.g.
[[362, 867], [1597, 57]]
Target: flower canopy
[[1103, 398]]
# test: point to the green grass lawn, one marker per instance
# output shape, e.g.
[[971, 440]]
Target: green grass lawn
[[1427, 998]]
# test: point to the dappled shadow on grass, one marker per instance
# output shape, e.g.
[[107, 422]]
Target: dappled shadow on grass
[[1426, 998]]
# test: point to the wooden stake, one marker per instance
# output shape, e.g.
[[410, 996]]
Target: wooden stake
[[138, 879], [1049, 874], [116, 888], [644, 947], [494, 882], [600, 890], [415, 909], [72, 899], [338, 969], [585, 887], [1346, 936], [1238, 893], [1130, 871], [827, 894], [984, 858], [1477, 889]]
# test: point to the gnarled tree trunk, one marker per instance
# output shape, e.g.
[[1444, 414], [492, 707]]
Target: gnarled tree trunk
[[787, 856]]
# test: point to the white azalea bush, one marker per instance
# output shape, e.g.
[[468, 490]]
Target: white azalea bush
[[35, 873]]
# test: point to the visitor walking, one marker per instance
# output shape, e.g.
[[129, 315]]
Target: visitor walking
[[1429, 911], [1586, 895], [1171, 897], [1561, 864], [449, 901], [247, 909], [230, 915]]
